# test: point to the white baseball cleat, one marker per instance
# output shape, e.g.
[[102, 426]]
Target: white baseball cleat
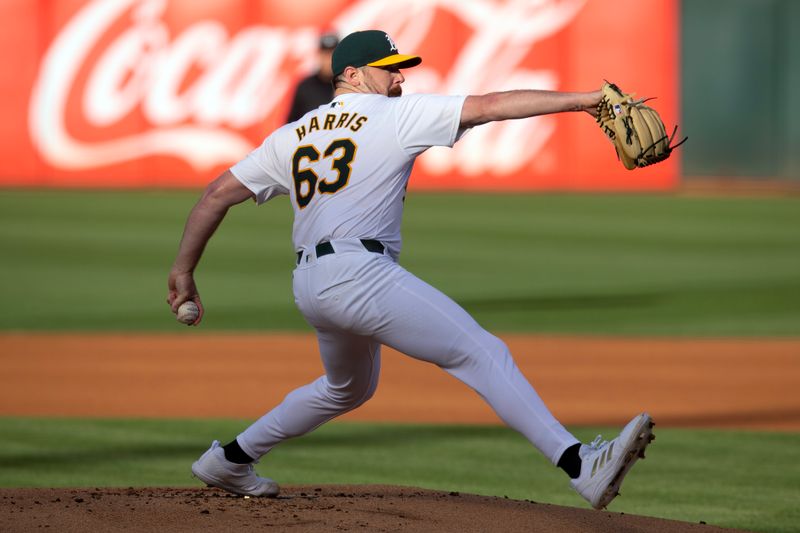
[[605, 464], [215, 470]]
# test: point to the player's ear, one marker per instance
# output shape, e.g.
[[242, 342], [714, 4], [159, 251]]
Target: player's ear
[[352, 75]]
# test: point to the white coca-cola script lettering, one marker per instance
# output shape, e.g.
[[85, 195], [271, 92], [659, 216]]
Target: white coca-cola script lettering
[[244, 77]]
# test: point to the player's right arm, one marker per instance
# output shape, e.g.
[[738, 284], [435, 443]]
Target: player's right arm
[[219, 196], [480, 109]]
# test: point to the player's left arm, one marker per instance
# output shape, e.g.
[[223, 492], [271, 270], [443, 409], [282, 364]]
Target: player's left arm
[[220, 195], [480, 109]]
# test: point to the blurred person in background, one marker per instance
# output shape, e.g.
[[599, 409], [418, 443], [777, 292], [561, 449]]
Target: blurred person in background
[[316, 89]]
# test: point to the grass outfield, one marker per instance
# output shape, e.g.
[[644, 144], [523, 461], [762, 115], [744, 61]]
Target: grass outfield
[[571, 264], [605, 264], [735, 479]]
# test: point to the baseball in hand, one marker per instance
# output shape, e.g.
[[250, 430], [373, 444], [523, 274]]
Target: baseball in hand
[[188, 312]]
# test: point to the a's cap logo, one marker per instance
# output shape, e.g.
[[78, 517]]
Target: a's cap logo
[[391, 43]]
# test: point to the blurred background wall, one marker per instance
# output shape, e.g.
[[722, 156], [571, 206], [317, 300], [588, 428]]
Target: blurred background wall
[[121, 93], [168, 93], [740, 76]]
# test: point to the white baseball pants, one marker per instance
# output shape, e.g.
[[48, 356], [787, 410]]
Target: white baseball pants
[[358, 300]]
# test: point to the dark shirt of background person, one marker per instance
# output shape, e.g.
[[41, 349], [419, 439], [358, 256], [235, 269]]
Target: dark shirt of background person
[[316, 89]]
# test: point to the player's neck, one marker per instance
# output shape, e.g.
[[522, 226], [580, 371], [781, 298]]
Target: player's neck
[[346, 88]]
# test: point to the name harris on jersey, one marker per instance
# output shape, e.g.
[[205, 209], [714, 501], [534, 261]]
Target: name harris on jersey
[[331, 121]]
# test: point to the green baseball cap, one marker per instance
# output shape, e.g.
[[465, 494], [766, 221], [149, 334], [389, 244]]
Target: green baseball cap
[[370, 47]]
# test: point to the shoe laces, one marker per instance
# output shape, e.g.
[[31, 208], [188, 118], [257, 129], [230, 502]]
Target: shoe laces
[[598, 443], [251, 468]]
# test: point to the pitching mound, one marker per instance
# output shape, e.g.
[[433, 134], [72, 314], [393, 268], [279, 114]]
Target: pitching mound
[[305, 509]]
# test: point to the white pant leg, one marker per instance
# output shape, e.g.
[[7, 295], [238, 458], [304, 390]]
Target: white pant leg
[[352, 366], [419, 320], [356, 299]]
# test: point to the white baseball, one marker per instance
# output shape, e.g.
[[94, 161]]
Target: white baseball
[[188, 312]]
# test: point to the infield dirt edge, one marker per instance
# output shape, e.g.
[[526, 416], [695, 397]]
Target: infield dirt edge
[[713, 383]]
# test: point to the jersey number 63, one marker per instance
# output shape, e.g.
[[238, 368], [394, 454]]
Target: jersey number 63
[[307, 182]]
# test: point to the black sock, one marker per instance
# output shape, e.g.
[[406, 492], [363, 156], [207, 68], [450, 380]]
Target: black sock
[[235, 454], [570, 461]]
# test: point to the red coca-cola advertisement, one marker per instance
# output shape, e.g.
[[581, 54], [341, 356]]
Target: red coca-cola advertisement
[[152, 93]]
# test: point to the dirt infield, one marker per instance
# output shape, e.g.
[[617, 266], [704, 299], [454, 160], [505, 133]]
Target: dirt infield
[[307, 509], [744, 383], [751, 383]]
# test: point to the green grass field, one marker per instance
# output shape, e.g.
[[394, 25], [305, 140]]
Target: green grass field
[[567, 264], [630, 265], [733, 479]]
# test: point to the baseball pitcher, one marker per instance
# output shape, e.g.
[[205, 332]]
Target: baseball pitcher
[[345, 166]]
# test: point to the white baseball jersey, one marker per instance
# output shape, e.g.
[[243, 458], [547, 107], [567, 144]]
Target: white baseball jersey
[[346, 164]]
